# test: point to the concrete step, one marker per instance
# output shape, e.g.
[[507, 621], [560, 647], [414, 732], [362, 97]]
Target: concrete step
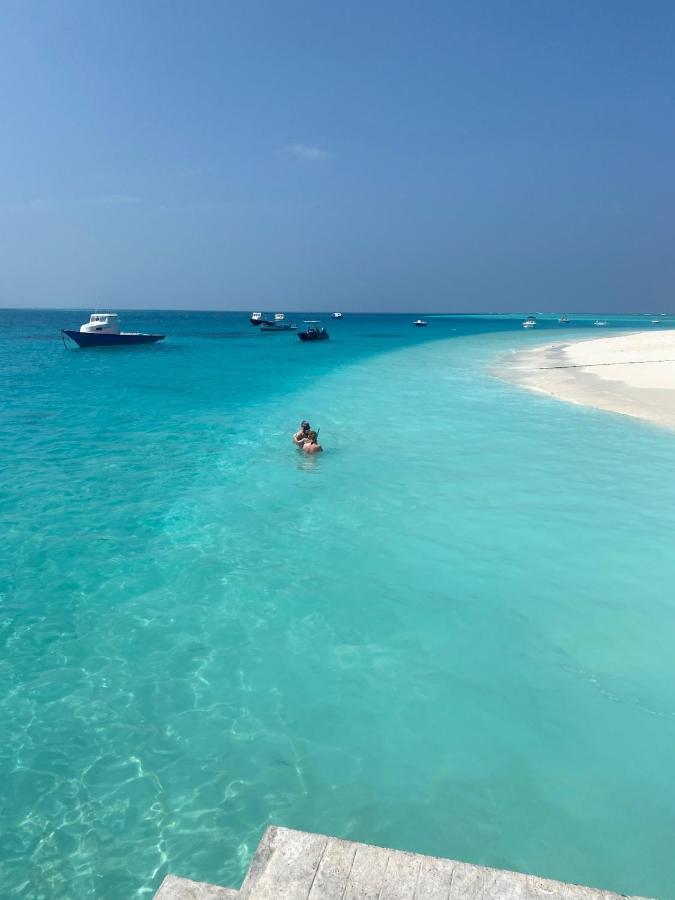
[[297, 865], [174, 888]]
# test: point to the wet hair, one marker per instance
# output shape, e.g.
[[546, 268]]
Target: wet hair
[[312, 435], [304, 425]]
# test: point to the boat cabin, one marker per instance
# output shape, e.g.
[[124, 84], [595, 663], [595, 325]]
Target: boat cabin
[[107, 323]]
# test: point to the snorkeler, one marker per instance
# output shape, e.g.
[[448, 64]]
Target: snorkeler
[[311, 445], [300, 437]]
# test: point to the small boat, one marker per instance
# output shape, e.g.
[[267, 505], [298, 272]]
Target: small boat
[[599, 323], [314, 331], [656, 321], [267, 327], [103, 330], [279, 317], [530, 322], [258, 318], [337, 315], [420, 323], [563, 320]]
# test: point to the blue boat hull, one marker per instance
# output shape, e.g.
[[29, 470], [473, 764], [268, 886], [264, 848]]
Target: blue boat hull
[[92, 339]]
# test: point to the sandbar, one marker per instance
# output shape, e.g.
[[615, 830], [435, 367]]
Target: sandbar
[[630, 374]]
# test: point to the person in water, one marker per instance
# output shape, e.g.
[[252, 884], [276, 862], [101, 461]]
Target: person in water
[[311, 444], [300, 437]]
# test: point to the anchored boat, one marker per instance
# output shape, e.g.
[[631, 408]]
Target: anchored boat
[[103, 330], [530, 322], [258, 318], [420, 323], [267, 327], [314, 331]]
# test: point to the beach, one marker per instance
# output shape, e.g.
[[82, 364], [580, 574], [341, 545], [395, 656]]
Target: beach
[[630, 374]]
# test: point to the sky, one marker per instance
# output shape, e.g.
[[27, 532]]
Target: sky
[[363, 156]]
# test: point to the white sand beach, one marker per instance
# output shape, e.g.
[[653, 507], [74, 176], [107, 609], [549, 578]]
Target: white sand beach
[[632, 374]]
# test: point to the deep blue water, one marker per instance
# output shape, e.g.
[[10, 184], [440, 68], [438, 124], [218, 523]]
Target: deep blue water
[[450, 633]]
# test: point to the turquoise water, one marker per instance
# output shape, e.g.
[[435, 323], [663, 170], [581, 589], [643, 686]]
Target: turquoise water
[[450, 633]]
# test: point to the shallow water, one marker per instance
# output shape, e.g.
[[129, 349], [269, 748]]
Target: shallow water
[[450, 633]]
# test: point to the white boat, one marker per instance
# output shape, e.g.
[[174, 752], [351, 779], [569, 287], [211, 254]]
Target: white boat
[[279, 317], [257, 318], [599, 323], [656, 321], [420, 323], [563, 320], [103, 330], [530, 322], [337, 315]]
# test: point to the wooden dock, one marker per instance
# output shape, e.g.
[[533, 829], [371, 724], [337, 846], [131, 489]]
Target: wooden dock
[[296, 865]]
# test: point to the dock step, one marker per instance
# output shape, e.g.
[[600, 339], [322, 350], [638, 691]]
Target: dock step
[[297, 865], [174, 888]]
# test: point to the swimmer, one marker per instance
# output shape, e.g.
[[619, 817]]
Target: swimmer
[[300, 437], [311, 445]]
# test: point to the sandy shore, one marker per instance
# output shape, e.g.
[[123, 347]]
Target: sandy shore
[[632, 374]]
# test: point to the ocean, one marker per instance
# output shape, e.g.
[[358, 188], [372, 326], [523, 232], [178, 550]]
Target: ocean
[[450, 633]]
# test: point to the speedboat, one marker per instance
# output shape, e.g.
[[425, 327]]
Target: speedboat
[[599, 323], [279, 317], [530, 322], [103, 330], [656, 321], [563, 320], [313, 332], [337, 315], [420, 323]]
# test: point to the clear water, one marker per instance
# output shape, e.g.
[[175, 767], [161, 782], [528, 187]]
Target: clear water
[[450, 633]]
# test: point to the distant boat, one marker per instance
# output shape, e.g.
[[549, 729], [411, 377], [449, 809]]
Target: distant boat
[[530, 322], [258, 318], [656, 321], [599, 323], [314, 331], [279, 317], [563, 320], [337, 315], [267, 327], [420, 323], [103, 330]]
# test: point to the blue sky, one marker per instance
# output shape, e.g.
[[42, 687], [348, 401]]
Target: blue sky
[[363, 155]]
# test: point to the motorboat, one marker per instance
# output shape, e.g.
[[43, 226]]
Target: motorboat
[[530, 322], [599, 323], [279, 317], [313, 332], [103, 330], [258, 318], [656, 322], [337, 315], [267, 327], [563, 320], [420, 323]]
